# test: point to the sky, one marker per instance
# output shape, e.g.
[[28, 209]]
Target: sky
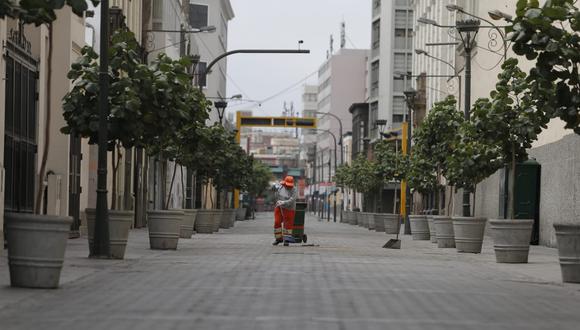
[[275, 24]]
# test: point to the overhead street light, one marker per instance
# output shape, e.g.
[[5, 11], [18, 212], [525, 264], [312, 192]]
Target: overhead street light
[[208, 29], [497, 15], [428, 21]]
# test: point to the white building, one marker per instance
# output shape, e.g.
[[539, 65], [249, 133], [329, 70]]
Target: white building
[[389, 63], [217, 13]]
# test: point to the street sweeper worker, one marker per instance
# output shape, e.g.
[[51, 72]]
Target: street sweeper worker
[[284, 211]]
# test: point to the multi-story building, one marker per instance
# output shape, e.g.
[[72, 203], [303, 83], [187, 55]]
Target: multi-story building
[[341, 82], [390, 62], [217, 13]]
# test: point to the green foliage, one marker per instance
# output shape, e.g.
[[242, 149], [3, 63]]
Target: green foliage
[[126, 76], [437, 136], [391, 164], [260, 178], [509, 120], [365, 174], [343, 176], [40, 11], [155, 107], [549, 36], [420, 174]]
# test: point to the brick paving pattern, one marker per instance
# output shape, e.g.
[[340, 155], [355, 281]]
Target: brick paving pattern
[[235, 279]]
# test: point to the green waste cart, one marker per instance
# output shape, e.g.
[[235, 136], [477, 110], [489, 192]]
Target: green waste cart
[[299, 217]]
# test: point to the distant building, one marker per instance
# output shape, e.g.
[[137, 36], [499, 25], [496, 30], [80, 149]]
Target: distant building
[[390, 62]]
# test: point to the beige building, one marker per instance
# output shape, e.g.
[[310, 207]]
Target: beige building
[[27, 107]]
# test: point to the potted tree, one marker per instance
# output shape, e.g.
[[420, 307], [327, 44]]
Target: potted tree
[[176, 112], [421, 179], [548, 36], [365, 180], [36, 242], [435, 139], [258, 182], [80, 111], [472, 161], [392, 167], [343, 178], [511, 120]]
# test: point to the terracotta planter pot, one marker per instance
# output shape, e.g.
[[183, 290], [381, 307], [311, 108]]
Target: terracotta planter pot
[[444, 231], [511, 239], [568, 237], [164, 229], [119, 226], [469, 233], [419, 227], [36, 247]]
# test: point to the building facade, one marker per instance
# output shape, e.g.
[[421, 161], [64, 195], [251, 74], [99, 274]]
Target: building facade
[[390, 62], [559, 179], [217, 13]]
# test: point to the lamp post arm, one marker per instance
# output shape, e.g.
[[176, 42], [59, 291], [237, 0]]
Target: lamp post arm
[[340, 132], [492, 26], [442, 61], [254, 51]]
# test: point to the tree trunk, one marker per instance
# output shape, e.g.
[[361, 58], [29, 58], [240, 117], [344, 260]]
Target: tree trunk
[[171, 186], [512, 184], [42, 170]]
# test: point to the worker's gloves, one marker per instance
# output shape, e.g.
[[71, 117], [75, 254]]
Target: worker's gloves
[[279, 203]]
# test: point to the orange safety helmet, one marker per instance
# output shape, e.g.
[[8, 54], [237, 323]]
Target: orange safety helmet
[[288, 181]]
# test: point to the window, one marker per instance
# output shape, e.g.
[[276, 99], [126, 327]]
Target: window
[[403, 19], [398, 118], [375, 79], [403, 62], [403, 38], [157, 14], [399, 105], [374, 117], [200, 76], [198, 16]]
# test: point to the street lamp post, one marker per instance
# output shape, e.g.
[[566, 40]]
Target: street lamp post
[[329, 166], [410, 100], [101, 239], [468, 30]]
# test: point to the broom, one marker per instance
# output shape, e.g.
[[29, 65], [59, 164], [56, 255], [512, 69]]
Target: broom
[[394, 243]]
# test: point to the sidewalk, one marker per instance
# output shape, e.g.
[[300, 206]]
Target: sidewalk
[[235, 279]]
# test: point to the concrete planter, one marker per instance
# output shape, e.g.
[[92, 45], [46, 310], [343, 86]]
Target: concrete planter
[[353, 220], [419, 227], [568, 237], [371, 221], [469, 233], [204, 223], [119, 226], [36, 247], [444, 231], [241, 214], [379, 220], [511, 240], [392, 223], [227, 218], [360, 219], [164, 228], [217, 219], [432, 229], [188, 223]]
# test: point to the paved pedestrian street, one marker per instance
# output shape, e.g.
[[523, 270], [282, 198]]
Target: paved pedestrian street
[[236, 279]]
